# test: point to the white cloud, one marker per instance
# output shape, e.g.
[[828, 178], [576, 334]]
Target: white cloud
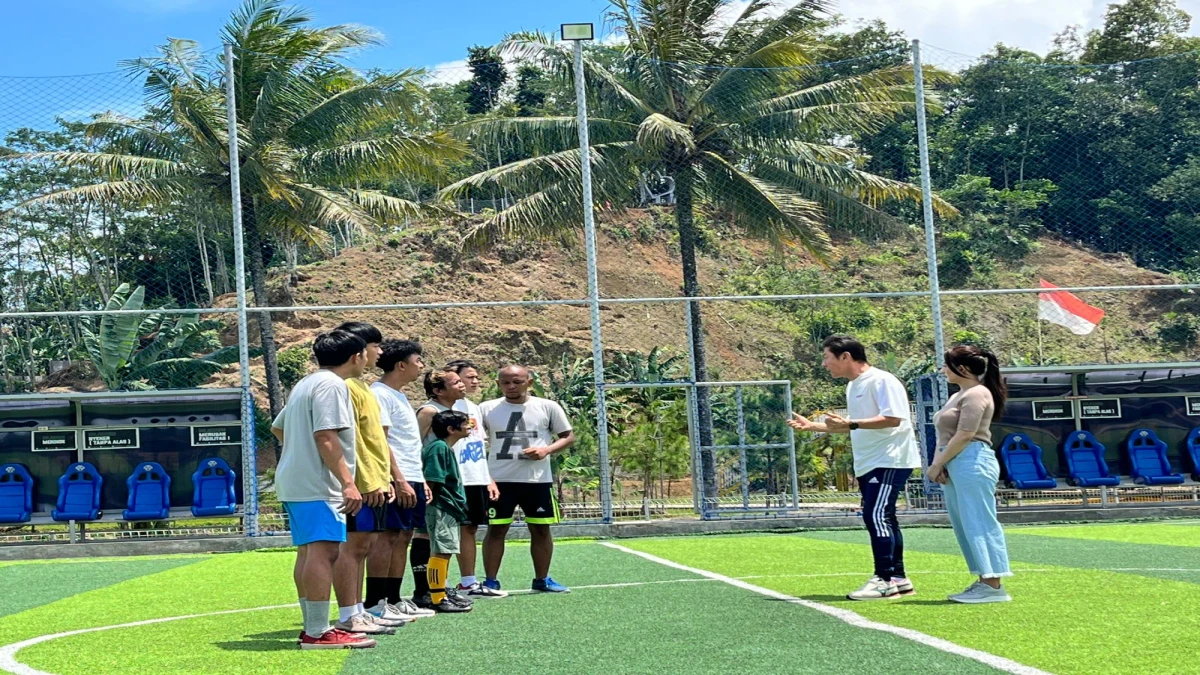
[[973, 27], [450, 72]]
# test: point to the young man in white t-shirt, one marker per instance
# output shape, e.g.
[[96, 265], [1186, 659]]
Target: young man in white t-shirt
[[523, 432], [315, 481], [402, 363], [885, 454], [481, 490]]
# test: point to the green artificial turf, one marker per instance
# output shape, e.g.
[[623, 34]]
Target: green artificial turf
[[1177, 563], [1063, 620], [1165, 534], [692, 626], [24, 586], [1071, 613]]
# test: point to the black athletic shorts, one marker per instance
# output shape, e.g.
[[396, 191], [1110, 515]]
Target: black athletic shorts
[[477, 504], [368, 519], [390, 516], [536, 500]]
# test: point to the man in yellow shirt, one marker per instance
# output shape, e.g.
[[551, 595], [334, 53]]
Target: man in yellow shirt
[[373, 478]]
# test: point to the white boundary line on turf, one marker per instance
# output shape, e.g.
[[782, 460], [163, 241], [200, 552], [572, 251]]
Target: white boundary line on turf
[[8, 653], [9, 663], [851, 618]]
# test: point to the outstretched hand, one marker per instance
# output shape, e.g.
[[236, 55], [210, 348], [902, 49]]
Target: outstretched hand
[[801, 423]]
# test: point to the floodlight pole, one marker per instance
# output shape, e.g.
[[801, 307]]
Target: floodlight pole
[[589, 235], [249, 459], [935, 296]]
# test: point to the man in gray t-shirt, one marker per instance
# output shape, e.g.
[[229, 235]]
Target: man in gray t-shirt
[[315, 480]]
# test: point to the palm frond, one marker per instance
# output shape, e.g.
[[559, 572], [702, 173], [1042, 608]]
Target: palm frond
[[113, 165], [160, 191], [129, 136], [543, 49], [526, 135], [867, 188], [657, 133], [766, 210], [416, 157]]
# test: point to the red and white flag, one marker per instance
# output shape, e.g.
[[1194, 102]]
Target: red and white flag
[[1068, 311]]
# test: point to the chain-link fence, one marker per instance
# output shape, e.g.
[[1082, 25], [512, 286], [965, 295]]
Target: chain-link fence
[[782, 186]]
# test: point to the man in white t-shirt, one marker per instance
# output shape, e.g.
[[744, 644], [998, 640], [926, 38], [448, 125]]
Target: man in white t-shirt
[[481, 490], [523, 432], [885, 454], [315, 481], [402, 363]]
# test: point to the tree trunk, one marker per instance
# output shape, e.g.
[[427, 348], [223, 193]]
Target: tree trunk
[[685, 223], [202, 248], [258, 278]]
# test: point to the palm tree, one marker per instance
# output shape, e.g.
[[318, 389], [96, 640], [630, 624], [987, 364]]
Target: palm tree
[[742, 118], [310, 133]]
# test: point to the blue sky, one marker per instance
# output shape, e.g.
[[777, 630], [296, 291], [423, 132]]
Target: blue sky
[[60, 37]]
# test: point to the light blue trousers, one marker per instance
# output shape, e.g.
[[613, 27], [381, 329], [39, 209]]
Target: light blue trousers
[[971, 502]]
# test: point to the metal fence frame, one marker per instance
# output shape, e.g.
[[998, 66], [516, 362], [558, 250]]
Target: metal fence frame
[[593, 301]]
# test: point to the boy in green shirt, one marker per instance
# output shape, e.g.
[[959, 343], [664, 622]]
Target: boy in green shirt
[[448, 510]]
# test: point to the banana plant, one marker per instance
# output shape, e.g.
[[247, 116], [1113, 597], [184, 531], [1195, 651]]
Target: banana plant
[[148, 350]]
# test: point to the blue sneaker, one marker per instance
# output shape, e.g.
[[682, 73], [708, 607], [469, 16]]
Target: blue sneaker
[[491, 583], [549, 585]]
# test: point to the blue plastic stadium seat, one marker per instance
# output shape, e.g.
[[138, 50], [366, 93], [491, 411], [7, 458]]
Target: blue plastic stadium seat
[[149, 493], [1023, 464], [1085, 461], [1193, 449], [78, 494], [16, 493], [1148, 459], [212, 489]]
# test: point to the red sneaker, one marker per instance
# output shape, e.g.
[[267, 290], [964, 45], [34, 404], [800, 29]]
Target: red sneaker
[[335, 639]]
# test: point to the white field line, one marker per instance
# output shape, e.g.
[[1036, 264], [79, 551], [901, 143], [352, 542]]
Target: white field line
[[851, 618], [9, 664], [8, 653]]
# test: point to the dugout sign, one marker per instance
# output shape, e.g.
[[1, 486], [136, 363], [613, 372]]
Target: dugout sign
[[1100, 408], [228, 434], [49, 441], [1192, 405], [1053, 410], [111, 439]]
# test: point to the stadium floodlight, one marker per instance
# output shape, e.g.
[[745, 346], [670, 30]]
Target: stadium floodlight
[[578, 32]]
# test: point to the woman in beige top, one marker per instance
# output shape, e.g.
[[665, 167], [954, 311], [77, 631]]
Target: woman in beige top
[[966, 467]]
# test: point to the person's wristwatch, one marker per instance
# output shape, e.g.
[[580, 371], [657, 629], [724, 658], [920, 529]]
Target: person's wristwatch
[[854, 426]]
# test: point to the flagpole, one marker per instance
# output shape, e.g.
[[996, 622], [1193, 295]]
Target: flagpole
[[1104, 343], [1041, 359]]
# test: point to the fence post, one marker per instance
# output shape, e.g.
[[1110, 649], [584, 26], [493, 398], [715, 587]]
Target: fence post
[[741, 427], [935, 296], [589, 235], [793, 468], [249, 449]]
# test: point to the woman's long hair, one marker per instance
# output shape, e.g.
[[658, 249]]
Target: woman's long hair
[[971, 361]]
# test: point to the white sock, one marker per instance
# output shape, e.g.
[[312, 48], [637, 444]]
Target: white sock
[[304, 612], [359, 609], [316, 621], [468, 582], [344, 613]]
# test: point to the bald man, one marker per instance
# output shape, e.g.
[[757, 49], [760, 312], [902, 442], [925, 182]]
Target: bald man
[[524, 431]]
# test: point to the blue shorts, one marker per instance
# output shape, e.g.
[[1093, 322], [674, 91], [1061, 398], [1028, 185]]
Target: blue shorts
[[315, 521], [408, 519]]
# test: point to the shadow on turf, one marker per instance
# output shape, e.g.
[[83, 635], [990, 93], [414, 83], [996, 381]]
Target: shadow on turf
[[263, 642], [829, 599]]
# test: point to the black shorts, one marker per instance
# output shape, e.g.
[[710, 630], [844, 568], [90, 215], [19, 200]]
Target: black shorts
[[368, 519], [536, 500], [478, 504], [390, 517]]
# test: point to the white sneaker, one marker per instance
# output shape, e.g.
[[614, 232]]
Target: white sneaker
[[408, 608], [387, 615], [875, 589], [980, 593], [904, 586], [364, 624]]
